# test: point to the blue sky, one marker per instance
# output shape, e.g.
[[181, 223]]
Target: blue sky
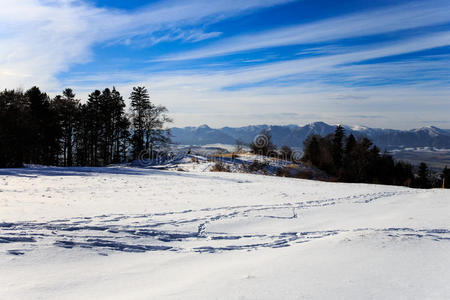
[[232, 63]]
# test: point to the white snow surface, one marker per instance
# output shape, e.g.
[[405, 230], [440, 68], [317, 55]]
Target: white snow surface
[[130, 233]]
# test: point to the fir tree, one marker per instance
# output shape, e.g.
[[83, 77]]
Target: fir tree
[[140, 103], [338, 140], [445, 177], [67, 110], [423, 176]]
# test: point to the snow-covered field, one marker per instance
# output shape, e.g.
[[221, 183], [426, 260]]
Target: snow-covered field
[[129, 233]]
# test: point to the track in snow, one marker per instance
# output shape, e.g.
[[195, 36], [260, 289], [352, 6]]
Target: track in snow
[[187, 231]]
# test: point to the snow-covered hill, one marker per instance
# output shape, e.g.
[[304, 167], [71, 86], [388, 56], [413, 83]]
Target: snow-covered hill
[[130, 233]]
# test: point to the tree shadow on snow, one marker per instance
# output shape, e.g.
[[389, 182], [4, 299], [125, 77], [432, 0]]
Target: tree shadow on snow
[[35, 171]]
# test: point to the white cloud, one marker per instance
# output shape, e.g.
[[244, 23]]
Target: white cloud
[[307, 69], [187, 35], [406, 16], [41, 38], [195, 97], [215, 80]]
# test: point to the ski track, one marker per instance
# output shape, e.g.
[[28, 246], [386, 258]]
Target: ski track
[[187, 231]]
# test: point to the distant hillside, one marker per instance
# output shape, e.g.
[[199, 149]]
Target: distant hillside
[[293, 135]]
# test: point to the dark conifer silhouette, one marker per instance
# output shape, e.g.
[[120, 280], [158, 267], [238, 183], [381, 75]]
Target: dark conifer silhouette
[[423, 181], [35, 129], [148, 121], [338, 140], [262, 145], [358, 161], [445, 178]]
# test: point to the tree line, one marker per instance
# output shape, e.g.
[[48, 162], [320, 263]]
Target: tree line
[[350, 159], [61, 131]]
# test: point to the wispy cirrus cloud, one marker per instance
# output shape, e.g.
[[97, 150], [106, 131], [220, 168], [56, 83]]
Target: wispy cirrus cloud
[[353, 65], [176, 34], [334, 85], [40, 38], [384, 20], [334, 77], [322, 65]]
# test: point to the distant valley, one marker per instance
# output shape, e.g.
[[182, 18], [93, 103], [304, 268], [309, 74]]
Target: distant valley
[[293, 135], [430, 144]]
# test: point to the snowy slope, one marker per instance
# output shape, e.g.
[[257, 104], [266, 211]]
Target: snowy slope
[[129, 233]]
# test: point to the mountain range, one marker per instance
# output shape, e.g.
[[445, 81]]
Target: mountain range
[[294, 135]]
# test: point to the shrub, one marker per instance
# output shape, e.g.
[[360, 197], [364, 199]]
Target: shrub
[[285, 153], [284, 172], [256, 166], [262, 144], [220, 167]]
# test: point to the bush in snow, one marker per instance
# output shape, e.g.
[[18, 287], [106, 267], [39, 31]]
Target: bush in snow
[[220, 167]]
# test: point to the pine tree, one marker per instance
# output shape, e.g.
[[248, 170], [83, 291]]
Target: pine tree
[[61, 131], [140, 104], [93, 127], [67, 110], [148, 120], [445, 177], [423, 176], [106, 111], [348, 160], [350, 144], [120, 125], [312, 150], [362, 161], [338, 140], [44, 129], [82, 136], [15, 135]]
